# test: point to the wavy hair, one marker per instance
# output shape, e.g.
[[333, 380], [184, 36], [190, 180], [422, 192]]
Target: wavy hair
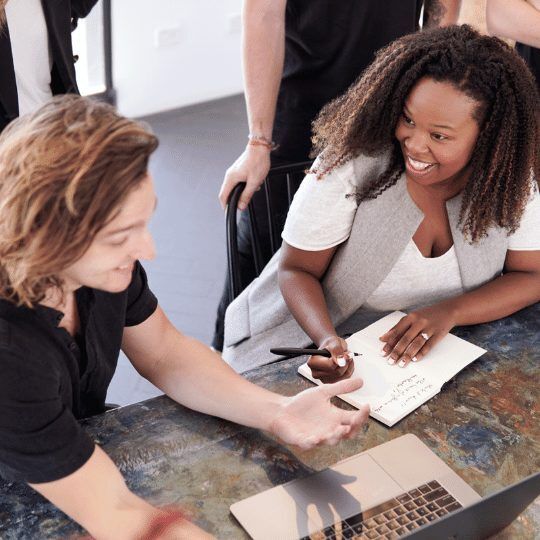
[[64, 171], [506, 157]]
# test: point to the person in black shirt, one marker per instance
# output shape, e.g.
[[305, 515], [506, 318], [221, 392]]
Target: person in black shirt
[[298, 56], [75, 202], [518, 20]]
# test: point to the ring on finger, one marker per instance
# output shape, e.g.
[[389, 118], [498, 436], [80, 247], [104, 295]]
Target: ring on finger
[[424, 335]]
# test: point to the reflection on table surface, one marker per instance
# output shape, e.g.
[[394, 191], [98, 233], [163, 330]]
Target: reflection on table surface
[[484, 425]]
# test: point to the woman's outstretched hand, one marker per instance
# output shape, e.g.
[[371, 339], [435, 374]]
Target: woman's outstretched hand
[[416, 334], [309, 419], [339, 366]]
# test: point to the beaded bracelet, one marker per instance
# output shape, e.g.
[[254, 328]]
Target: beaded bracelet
[[261, 140]]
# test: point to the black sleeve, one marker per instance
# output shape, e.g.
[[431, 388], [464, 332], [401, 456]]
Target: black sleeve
[[40, 439], [141, 302], [81, 8]]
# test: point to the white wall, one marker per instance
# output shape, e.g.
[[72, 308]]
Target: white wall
[[88, 45], [198, 59]]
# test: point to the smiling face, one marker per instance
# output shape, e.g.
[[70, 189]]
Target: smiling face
[[108, 263], [437, 133]]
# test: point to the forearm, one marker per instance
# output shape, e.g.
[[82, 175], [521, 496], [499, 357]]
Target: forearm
[[97, 498], [263, 50], [515, 19], [305, 299], [198, 378], [441, 12], [498, 298]]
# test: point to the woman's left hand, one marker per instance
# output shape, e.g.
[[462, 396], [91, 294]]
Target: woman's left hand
[[416, 334]]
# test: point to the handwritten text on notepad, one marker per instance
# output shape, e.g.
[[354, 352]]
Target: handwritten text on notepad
[[406, 392]]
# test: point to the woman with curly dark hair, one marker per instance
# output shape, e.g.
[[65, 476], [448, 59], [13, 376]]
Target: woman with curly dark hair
[[424, 198]]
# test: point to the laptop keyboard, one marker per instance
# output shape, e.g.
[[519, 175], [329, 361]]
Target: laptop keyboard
[[395, 517]]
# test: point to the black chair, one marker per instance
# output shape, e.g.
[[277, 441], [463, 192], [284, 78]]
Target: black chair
[[279, 179]]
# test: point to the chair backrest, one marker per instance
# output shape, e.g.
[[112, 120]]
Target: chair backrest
[[267, 213]]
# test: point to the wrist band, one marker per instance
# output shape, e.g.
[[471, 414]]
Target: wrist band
[[162, 522], [261, 140]]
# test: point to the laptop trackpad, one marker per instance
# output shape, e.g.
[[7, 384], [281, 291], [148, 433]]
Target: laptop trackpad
[[342, 491], [302, 507]]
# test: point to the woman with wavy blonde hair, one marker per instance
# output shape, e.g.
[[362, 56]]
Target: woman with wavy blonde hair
[[75, 203]]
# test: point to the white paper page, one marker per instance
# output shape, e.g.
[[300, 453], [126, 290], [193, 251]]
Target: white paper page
[[444, 361], [403, 398], [391, 392]]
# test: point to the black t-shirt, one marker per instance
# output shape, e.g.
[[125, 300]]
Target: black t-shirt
[[49, 379], [532, 57], [328, 44]]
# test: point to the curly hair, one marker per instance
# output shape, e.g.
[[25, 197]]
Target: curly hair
[[506, 157], [64, 172]]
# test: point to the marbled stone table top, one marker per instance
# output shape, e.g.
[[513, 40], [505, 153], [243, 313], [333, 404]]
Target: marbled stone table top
[[484, 424]]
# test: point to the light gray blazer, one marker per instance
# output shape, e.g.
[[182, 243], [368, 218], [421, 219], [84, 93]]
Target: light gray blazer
[[259, 319]]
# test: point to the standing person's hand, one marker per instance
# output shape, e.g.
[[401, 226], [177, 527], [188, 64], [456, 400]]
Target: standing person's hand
[[309, 418], [416, 334], [339, 366], [252, 167]]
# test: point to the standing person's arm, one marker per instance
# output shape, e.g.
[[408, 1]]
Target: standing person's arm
[[514, 19], [441, 12], [263, 52]]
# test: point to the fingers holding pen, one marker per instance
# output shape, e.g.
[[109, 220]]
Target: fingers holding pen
[[339, 366]]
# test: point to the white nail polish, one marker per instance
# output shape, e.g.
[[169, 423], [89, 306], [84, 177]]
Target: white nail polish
[[415, 359], [341, 362], [391, 361], [401, 363]]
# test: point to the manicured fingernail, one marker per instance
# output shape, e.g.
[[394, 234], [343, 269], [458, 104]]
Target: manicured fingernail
[[383, 352], [341, 362], [241, 206], [401, 363], [415, 359], [391, 361]]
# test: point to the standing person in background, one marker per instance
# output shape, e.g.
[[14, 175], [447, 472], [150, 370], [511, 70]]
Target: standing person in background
[[36, 56], [518, 20], [298, 55]]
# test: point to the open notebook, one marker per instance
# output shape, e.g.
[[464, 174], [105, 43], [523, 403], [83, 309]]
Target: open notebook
[[394, 392]]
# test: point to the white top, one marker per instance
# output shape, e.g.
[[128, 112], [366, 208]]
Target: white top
[[30, 48], [416, 281], [322, 214]]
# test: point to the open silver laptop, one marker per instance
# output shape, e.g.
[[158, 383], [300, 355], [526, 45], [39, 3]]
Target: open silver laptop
[[385, 492]]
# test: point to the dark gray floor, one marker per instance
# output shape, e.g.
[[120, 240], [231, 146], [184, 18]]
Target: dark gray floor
[[197, 144]]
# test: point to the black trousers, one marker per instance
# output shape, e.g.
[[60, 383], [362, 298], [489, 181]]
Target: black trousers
[[280, 207]]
